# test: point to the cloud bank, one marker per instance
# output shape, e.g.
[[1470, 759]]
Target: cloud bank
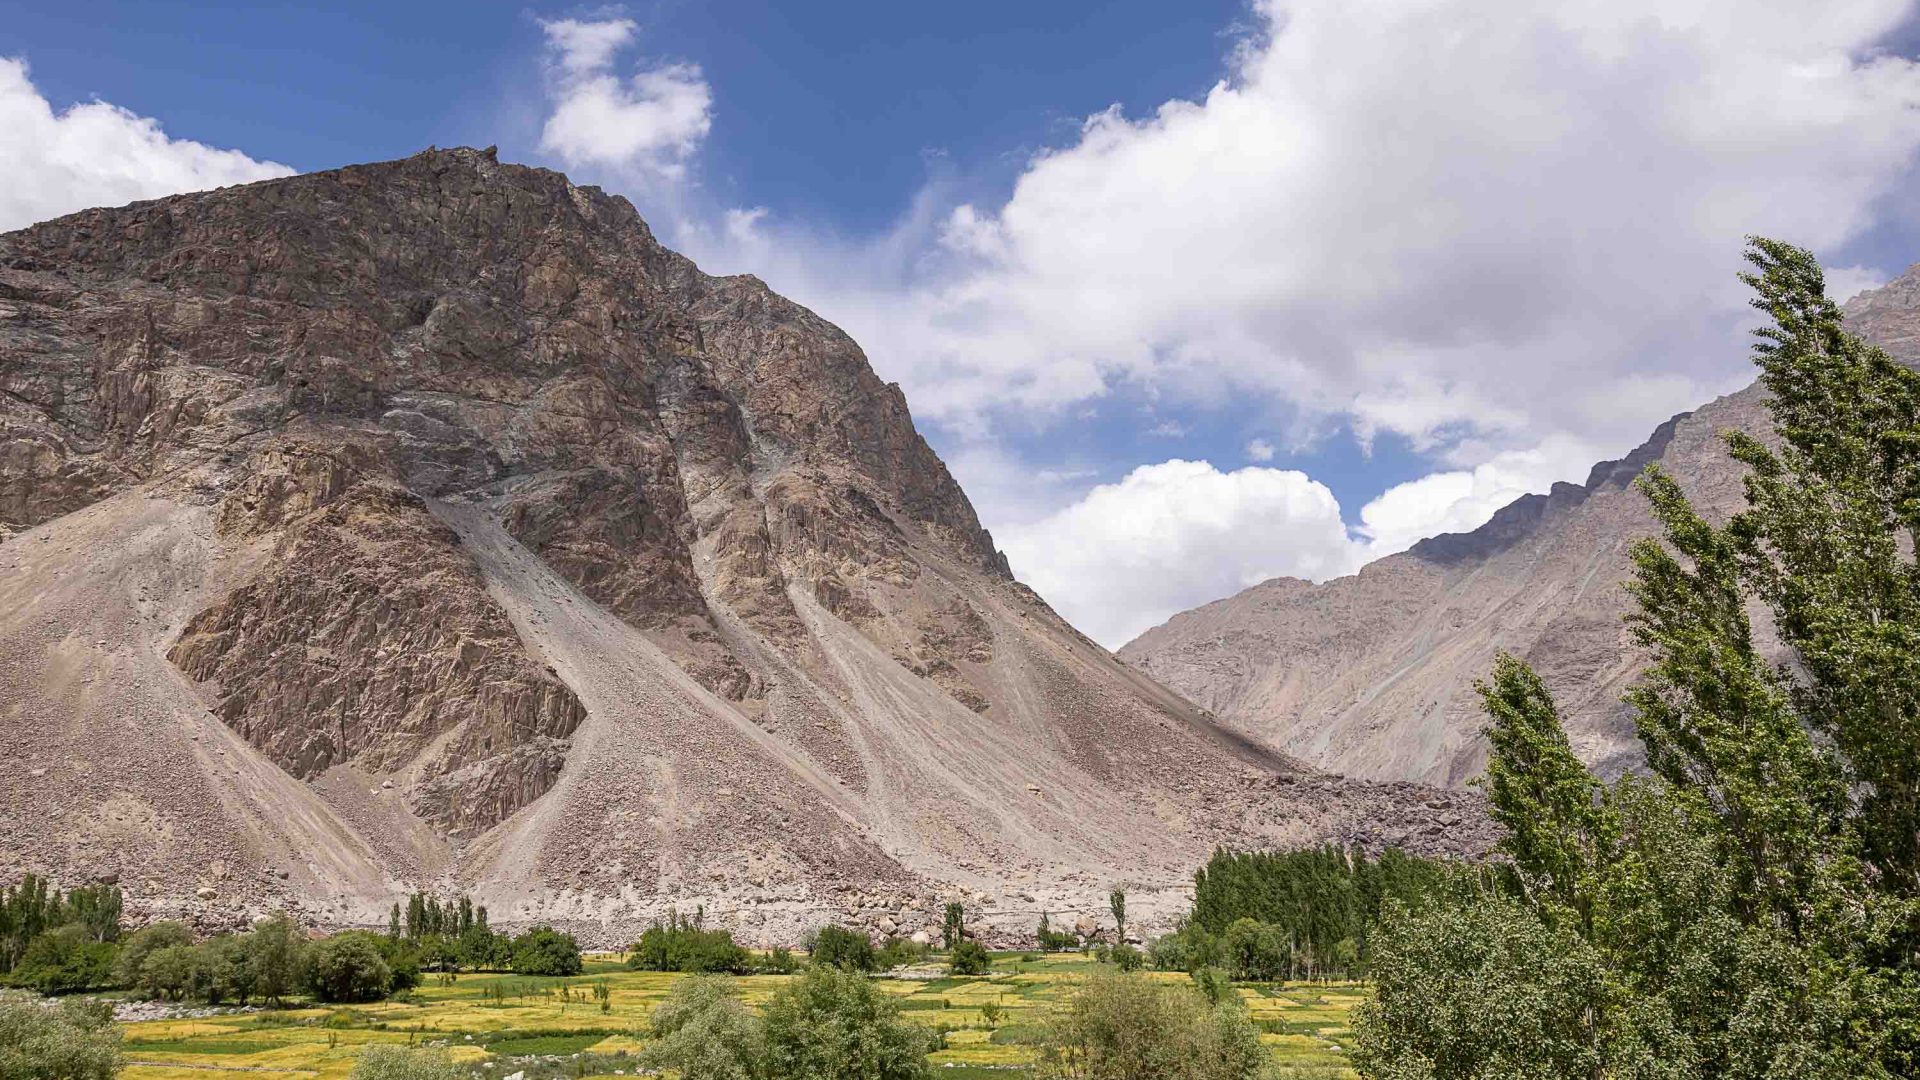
[[1505, 231], [97, 154], [646, 126]]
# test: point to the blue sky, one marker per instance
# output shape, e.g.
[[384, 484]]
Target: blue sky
[[1188, 295]]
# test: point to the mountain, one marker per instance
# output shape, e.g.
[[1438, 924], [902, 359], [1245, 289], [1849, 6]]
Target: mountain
[[1372, 675], [428, 524]]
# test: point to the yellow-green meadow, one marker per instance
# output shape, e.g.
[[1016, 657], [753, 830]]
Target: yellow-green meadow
[[560, 1027]]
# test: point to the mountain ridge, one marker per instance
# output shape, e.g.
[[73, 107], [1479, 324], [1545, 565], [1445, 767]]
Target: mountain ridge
[[426, 524], [1371, 675]]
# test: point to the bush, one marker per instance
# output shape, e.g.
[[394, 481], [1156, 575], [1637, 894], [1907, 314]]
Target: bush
[[348, 967], [780, 961], [75, 1040], [64, 960], [1128, 1027], [1188, 949], [703, 1032], [385, 1061], [545, 951], [969, 958], [897, 951], [1126, 957], [831, 1024], [836, 946], [1048, 939]]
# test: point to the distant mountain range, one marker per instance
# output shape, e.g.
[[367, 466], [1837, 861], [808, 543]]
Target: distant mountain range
[[1371, 675]]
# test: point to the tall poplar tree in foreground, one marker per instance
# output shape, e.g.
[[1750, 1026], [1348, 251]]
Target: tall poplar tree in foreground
[[1752, 910]]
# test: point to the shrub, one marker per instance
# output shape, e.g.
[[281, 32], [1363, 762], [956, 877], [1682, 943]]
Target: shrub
[[1048, 939], [969, 958], [347, 967], [780, 961], [702, 1032], [831, 1024], [64, 960], [75, 1040], [385, 1061], [897, 951], [1128, 1027], [1126, 957], [545, 951], [837, 946], [1213, 985]]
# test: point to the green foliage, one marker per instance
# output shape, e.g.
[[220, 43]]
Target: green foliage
[[276, 956], [839, 947], [1753, 910], [33, 907], [1479, 990], [680, 944], [832, 1024], [896, 951], [384, 1061], [969, 957], [545, 951], [1049, 939], [347, 967], [65, 959], [1128, 1027], [953, 925], [703, 1032], [144, 942], [74, 1040], [1117, 904], [1322, 902], [1126, 957]]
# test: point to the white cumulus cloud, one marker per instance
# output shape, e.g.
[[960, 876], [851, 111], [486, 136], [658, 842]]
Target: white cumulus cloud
[[1166, 537], [647, 125], [53, 162]]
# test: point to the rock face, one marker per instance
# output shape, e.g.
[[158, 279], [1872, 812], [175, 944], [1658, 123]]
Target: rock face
[[428, 523], [1372, 675]]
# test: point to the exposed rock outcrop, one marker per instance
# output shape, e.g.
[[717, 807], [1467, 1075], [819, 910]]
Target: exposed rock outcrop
[[438, 506]]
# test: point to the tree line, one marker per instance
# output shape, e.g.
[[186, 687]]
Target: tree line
[[57, 943]]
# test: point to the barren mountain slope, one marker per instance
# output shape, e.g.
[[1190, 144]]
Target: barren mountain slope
[[1371, 675], [429, 524]]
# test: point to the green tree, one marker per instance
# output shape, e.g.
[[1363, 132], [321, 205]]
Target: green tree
[[1129, 1027], [347, 967], [66, 959], [276, 957], [969, 957], [830, 1024], [546, 951], [75, 1040], [1480, 989], [144, 942], [953, 925], [703, 1032], [837, 946], [1117, 904], [1753, 909]]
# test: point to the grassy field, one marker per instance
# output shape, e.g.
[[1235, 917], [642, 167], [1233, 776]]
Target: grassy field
[[552, 1028]]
